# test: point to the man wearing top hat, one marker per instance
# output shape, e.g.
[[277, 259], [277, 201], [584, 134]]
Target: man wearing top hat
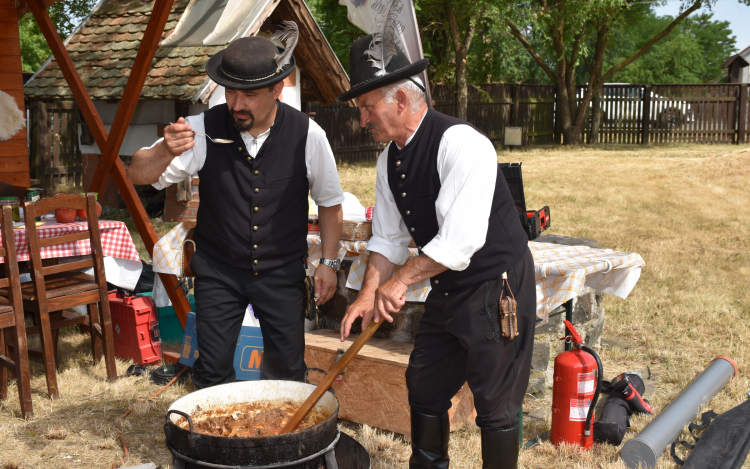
[[252, 222], [439, 184]]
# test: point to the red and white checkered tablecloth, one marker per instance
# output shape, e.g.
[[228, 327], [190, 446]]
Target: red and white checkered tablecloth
[[116, 240]]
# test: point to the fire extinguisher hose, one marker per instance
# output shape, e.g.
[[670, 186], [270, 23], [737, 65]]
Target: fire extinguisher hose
[[599, 379]]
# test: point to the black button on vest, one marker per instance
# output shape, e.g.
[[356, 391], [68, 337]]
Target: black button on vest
[[415, 183], [253, 211]]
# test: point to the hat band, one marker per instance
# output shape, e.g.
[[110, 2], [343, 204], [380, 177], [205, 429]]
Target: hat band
[[250, 79]]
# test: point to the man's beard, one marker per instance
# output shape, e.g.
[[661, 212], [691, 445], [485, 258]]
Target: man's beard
[[243, 125]]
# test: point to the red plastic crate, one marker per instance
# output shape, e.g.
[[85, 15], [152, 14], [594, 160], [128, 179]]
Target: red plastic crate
[[135, 327]]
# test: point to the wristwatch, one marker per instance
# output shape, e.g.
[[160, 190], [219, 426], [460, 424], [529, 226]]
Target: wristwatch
[[335, 264]]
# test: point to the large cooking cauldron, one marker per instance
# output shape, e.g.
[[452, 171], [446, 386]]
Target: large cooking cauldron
[[257, 451]]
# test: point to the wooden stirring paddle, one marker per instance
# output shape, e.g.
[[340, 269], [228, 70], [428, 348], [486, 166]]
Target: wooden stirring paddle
[[331, 376]]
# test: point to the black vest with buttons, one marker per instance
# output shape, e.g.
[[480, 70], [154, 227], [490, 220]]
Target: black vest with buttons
[[415, 183], [253, 211]]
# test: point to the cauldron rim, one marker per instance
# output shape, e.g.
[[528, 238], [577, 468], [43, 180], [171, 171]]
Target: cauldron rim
[[251, 450]]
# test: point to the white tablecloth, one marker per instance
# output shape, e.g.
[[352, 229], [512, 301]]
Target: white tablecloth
[[561, 271]]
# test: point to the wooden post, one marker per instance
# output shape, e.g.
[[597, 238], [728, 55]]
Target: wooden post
[[742, 118], [646, 115], [39, 127], [94, 121], [137, 78], [558, 129], [514, 111]]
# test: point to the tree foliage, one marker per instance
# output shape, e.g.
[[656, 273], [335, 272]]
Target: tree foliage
[[691, 54], [66, 15]]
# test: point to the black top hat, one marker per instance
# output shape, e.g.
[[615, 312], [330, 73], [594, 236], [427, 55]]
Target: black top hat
[[366, 72], [248, 63]]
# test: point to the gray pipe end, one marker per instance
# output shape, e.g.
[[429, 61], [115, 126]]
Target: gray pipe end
[[637, 452]]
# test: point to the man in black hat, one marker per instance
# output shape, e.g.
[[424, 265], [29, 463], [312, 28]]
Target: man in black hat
[[439, 183], [252, 222]]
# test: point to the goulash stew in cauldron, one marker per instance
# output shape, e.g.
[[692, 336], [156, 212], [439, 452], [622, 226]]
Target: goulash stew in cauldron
[[247, 420]]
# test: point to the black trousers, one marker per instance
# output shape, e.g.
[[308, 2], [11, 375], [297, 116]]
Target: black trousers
[[455, 344], [222, 293]]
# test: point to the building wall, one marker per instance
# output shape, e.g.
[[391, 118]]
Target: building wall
[[14, 153]]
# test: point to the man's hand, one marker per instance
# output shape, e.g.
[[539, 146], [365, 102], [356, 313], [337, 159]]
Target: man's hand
[[389, 298], [178, 138], [361, 308], [325, 284]]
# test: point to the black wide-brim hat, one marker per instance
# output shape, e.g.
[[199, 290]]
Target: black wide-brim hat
[[362, 72], [248, 64]]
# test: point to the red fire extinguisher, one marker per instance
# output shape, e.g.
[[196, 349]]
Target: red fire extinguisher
[[577, 383]]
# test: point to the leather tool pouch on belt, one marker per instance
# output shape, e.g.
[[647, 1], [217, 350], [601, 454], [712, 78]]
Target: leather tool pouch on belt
[[188, 249], [508, 319], [310, 308]]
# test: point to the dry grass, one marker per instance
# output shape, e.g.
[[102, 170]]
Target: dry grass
[[680, 207]]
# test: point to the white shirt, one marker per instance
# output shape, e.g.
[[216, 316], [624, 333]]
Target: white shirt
[[467, 166], [325, 188]]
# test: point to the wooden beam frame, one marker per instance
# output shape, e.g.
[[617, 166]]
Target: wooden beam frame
[[110, 144]]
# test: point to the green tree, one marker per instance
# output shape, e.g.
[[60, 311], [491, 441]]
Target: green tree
[[66, 15], [578, 32]]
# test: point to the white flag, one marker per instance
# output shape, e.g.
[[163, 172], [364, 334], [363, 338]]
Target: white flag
[[365, 14]]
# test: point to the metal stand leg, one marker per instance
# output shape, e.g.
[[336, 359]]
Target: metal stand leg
[[568, 305], [331, 460]]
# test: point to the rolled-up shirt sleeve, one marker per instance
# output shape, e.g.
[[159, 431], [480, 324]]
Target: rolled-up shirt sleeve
[[389, 234], [467, 165], [188, 163], [325, 187]]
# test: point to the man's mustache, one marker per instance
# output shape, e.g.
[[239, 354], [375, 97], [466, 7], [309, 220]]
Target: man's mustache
[[371, 126]]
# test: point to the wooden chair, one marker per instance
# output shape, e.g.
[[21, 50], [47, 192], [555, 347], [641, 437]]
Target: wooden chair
[[55, 288], [12, 327]]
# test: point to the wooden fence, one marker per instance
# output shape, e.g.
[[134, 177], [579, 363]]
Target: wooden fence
[[350, 143], [672, 113], [630, 114], [55, 154]]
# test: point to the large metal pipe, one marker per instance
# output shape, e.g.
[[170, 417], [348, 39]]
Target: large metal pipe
[[646, 448]]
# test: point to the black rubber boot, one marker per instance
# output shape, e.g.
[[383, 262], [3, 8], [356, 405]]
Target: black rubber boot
[[429, 441], [500, 448]]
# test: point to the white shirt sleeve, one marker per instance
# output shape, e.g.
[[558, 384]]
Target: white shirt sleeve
[[390, 236], [467, 165], [325, 188], [188, 163]]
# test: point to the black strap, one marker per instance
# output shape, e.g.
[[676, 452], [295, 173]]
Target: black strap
[[677, 460], [418, 85], [706, 418]]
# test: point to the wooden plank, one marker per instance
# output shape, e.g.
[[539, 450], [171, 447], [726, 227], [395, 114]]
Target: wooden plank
[[57, 170], [9, 63], [373, 388], [11, 81], [14, 164], [646, 115], [743, 115], [8, 14], [139, 72], [13, 148], [99, 132], [10, 47], [16, 179]]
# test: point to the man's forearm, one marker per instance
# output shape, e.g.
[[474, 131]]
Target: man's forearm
[[379, 269], [418, 269], [330, 220], [148, 165]]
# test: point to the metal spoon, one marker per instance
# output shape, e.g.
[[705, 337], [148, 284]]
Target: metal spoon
[[214, 140]]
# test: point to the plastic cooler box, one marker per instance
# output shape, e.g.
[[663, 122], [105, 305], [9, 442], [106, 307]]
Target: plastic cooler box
[[171, 329], [135, 328]]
